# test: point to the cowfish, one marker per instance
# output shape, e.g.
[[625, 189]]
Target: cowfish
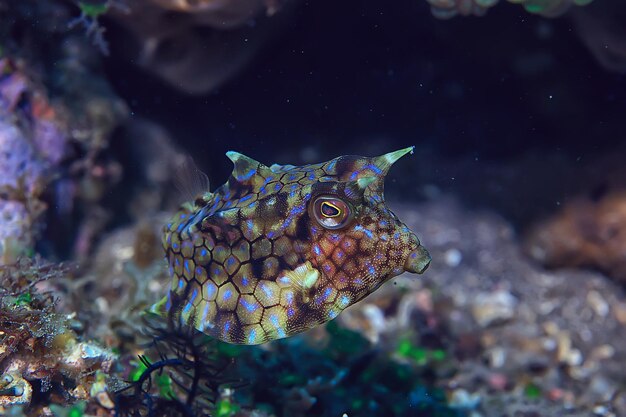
[[281, 249]]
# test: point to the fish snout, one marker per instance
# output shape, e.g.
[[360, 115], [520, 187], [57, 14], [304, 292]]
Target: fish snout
[[417, 261]]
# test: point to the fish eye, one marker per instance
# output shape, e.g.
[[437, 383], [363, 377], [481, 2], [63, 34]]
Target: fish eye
[[331, 212]]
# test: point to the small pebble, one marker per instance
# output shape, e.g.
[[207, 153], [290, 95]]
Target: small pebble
[[461, 398], [619, 310], [453, 257], [597, 303], [494, 308]]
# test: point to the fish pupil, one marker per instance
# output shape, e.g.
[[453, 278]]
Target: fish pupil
[[330, 210]]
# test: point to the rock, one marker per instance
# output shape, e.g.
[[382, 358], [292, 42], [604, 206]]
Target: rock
[[462, 399], [493, 308], [584, 233]]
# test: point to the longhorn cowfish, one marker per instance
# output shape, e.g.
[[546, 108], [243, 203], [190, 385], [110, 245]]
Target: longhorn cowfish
[[278, 250]]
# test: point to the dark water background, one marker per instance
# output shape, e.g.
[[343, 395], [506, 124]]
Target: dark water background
[[345, 72], [367, 77]]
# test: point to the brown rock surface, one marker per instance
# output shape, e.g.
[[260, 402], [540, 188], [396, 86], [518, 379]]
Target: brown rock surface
[[585, 233]]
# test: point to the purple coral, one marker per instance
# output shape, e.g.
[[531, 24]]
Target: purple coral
[[15, 230], [22, 171], [32, 142]]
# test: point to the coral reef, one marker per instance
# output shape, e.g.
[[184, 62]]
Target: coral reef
[[57, 114], [584, 233], [32, 141], [126, 276], [42, 358]]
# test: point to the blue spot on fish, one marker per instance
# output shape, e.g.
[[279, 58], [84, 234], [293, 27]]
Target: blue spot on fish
[[168, 303], [327, 293], [252, 336], [187, 308], [267, 290], [250, 307], [210, 289], [374, 168], [247, 175]]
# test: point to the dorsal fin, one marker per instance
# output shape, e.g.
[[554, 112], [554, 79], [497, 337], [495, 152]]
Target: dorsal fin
[[190, 181], [245, 167]]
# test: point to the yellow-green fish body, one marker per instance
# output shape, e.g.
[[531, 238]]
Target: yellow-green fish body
[[278, 250]]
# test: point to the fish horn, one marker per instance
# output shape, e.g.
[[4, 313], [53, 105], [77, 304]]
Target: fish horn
[[384, 162]]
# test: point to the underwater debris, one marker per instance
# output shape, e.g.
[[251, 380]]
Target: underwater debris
[[278, 250], [182, 378], [553, 347], [125, 276], [38, 345], [90, 12], [290, 378]]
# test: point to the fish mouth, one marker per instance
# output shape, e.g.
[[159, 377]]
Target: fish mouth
[[418, 261]]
